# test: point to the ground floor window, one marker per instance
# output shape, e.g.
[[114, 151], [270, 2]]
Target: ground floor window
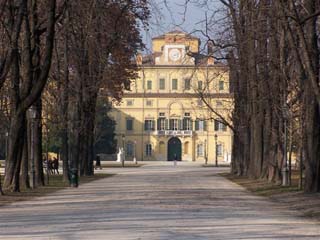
[[129, 149], [220, 150], [200, 149], [186, 148], [161, 148], [148, 149]]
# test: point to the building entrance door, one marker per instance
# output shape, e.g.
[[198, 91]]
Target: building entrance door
[[174, 149]]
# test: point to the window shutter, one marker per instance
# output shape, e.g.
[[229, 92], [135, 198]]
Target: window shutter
[[171, 124], [204, 125], [184, 125], [179, 124], [158, 124], [197, 125], [167, 124], [145, 125], [224, 127], [216, 125]]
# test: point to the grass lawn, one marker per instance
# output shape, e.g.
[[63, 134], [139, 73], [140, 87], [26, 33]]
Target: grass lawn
[[119, 165], [290, 197], [263, 187], [219, 165], [55, 184]]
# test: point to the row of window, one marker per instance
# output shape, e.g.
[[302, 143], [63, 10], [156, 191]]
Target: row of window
[[149, 103], [174, 84], [148, 149], [201, 148], [176, 124]]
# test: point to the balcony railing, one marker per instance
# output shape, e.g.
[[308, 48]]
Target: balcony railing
[[173, 132]]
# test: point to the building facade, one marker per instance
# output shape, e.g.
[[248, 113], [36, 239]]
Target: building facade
[[175, 106]]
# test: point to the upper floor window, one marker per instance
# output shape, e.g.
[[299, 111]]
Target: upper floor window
[[221, 85], [149, 84], [219, 126], [219, 104], [174, 124], [161, 123], [200, 125], [187, 84], [187, 123], [149, 125], [200, 85], [129, 102], [129, 124], [174, 84], [149, 103], [162, 84]]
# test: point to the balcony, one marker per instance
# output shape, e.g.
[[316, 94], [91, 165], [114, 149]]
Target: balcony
[[183, 133]]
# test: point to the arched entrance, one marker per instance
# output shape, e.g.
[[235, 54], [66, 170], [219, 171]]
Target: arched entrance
[[174, 148]]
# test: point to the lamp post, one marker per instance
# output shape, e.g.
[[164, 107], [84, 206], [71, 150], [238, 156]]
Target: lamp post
[[47, 152], [285, 170], [135, 153], [7, 136], [32, 116], [216, 143], [123, 152], [205, 152]]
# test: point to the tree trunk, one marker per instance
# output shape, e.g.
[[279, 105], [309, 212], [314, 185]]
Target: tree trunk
[[311, 106], [37, 128], [25, 181], [13, 163]]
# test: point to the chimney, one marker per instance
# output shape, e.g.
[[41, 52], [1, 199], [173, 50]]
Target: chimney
[[210, 60], [210, 48], [139, 59]]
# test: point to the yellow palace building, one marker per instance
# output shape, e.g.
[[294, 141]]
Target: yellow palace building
[[173, 109]]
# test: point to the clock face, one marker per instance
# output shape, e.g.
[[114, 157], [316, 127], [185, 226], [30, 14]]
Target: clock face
[[174, 54]]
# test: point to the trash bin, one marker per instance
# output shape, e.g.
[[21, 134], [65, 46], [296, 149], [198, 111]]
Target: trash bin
[[74, 177]]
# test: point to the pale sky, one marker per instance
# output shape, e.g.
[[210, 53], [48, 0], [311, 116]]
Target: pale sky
[[168, 15]]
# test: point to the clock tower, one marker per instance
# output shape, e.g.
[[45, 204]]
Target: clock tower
[[175, 48]]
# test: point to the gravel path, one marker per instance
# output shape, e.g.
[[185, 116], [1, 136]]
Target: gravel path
[[156, 201]]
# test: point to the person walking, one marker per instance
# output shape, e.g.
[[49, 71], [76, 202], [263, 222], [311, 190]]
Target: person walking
[[98, 162], [175, 158]]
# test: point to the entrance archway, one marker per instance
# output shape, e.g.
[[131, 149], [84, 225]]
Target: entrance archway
[[174, 148]]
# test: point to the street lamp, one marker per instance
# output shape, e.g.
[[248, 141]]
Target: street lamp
[[285, 170], [135, 147], [205, 152], [32, 116], [216, 142], [47, 152], [7, 136], [123, 152]]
